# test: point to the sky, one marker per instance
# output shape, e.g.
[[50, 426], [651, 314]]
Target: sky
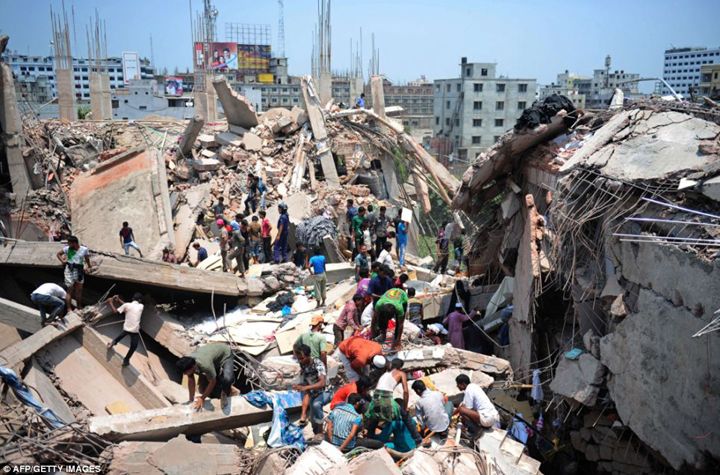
[[527, 38]]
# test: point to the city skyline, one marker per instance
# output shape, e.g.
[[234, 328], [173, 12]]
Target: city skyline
[[526, 38]]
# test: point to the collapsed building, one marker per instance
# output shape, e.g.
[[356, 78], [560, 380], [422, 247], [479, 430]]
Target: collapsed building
[[604, 225]]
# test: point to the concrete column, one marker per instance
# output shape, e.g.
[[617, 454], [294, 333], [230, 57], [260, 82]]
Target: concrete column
[[65, 93], [325, 87], [11, 129], [378, 95]]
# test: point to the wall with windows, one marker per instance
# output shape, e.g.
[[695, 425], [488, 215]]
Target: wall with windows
[[682, 67]]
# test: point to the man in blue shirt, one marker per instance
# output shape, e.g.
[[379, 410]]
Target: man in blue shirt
[[280, 246], [360, 101], [202, 253], [317, 269], [380, 284], [401, 238]]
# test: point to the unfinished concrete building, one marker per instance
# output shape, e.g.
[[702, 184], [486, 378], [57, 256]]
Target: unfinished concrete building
[[63, 65], [603, 225]]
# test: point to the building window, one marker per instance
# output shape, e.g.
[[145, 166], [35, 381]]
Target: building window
[[477, 87], [476, 139], [115, 103], [437, 120], [457, 122], [483, 72], [522, 105], [477, 105], [499, 87], [437, 87], [499, 105], [468, 72], [499, 122], [522, 87], [125, 101], [142, 108], [477, 122], [447, 120], [448, 87], [447, 104]]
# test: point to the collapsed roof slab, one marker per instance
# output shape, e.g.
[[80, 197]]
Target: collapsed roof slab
[[238, 110], [127, 269], [24, 349], [164, 424], [130, 187], [19, 316]]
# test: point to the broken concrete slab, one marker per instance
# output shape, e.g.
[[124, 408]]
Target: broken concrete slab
[[207, 141], [19, 316], [48, 393], [24, 349], [206, 164], [238, 110], [373, 463], [228, 138], [317, 123], [317, 460], [187, 140], [130, 187], [186, 216], [166, 330], [251, 142], [579, 379], [163, 424]]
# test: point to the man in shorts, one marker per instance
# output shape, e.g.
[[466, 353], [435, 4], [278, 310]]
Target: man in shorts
[[74, 257]]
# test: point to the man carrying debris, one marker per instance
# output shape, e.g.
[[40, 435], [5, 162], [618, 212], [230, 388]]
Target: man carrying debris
[[476, 410], [355, 353], [314, 339], [214, 364], [349, 317], [265, 229], [280, 246], [314, 379], [131, 327], [316, 264], [74, 257], [50, 297], [127, 239], [433, 410], [393, 304]]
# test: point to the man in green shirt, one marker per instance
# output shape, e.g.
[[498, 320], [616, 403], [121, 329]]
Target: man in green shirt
[[214, 364], [392, 304], [314, 339], [357, 222]]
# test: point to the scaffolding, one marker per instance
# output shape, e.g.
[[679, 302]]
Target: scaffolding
[[248, 34]]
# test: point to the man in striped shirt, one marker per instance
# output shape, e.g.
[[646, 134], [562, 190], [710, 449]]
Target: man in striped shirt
[[345, 422]]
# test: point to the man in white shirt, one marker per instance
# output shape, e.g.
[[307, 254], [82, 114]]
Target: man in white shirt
[[49, 297], [133, 311], [385, 258], [476, 409], [432, 410]]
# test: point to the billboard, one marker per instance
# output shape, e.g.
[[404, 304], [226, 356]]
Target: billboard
[[219, 57], [254, 58], [173, 86], [131, 66]]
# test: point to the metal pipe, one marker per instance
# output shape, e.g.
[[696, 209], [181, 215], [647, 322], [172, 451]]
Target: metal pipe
[[670, 205], [671, 221]]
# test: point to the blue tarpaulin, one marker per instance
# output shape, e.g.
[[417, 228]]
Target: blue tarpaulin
[[282, 432], [22, 392]]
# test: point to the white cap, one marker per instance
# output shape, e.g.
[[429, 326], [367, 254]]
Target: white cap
[[379, 361], [459, 305]]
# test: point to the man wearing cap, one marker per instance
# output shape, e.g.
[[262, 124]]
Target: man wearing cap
[[355, 353], [314, 339], [454, 324]]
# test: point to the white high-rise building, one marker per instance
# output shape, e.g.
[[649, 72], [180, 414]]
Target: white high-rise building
[[682, 67]]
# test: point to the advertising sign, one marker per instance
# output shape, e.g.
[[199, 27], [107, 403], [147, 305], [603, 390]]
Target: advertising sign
[[219, 57], [254, 58], [174, 86], [131, 66]]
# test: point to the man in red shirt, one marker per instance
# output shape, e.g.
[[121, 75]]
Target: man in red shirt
[[361, 387], [265, 229], [355, 353]]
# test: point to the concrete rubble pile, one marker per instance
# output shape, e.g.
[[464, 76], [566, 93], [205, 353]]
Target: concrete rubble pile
[[605, 225]]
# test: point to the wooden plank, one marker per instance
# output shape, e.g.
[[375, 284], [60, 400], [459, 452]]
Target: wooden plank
[[140, 388], [164, 424], [128, 269], [19, 316], [24, 349]]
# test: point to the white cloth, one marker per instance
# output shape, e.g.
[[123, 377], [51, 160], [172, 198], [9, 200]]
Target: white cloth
[[438, 328], [430, 409], [51, 289], [366, 316], [386, 382], [385, 258], [476, 399], [133, 311]]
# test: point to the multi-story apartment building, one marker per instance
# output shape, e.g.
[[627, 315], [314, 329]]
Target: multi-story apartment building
[[33, 72], [472, 111], [710, 80], [682, 67], [416, 99]]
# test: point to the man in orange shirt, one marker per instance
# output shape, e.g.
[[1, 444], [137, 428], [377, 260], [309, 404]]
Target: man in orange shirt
[[361, 387], [355, 353]]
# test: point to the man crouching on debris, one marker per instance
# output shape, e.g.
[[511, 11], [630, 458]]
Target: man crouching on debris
[[74, 257], [212, 362], [476, 410]]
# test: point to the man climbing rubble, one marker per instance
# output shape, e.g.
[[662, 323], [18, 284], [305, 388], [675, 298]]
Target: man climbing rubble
[[131, 326], [213, 363], [74, 257], [49, 297], [127, 239]]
